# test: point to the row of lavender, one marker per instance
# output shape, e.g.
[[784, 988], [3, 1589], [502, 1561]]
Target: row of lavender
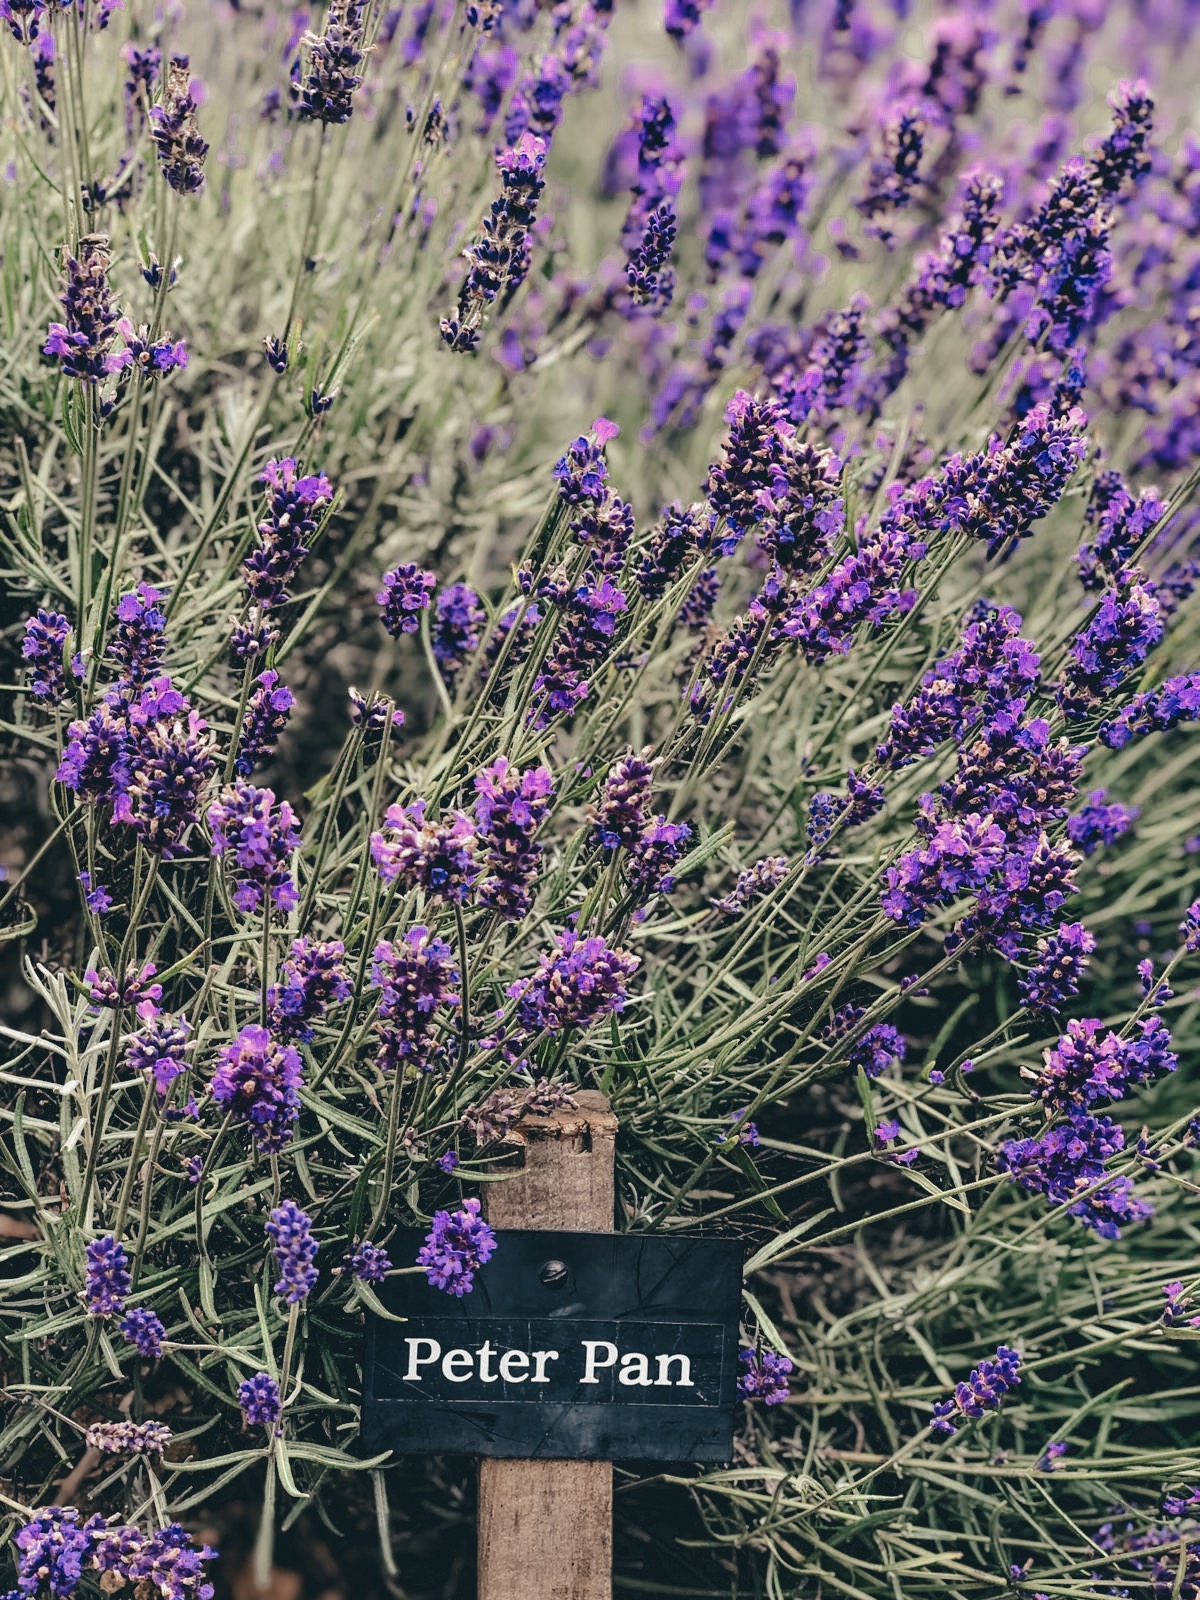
[[723, 815]]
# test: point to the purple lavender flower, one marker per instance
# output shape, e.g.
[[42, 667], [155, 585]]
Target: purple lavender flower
[[983, 1391], [1178, 700], [129, 1438], [1069, 1159], [84, 341], [407, 591], [374, 713], [591, 619], [144, 1331], [765, 1378], [1126, 627], [437, 856], [499, 260], [1057, 968], [1179, 1505], [43, 648], [1122, 157], [1189, 928], [135, 987], [258, 1080], [658, 847], [894, 181], [54, 1548], [458, 1244], [161, 766], [989, 678], [175, 133], [623, 808], [509, 809], [1121, 522], [142, 68], [108, 1279], [648, 271], [417, 978], [881, 1047], [331, 71], [267, 711], [159, 1049], [458, 617], [682, 17], [149, 357], [260, 1400], [1098, 824], [312, 979], [295, 507], [606, 527], [166, 1559], [295, 1251], [577, 984], [1091, 1063], [747, 1134], [368, 1262], [137, 642], [959, 854], [581, 473], [96, 896], [260, 836], [760, 879]]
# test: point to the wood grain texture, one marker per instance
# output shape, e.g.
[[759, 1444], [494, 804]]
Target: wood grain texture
[[545, 1527]]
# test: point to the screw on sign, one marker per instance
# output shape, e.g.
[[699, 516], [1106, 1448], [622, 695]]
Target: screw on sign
[[574, 1350]]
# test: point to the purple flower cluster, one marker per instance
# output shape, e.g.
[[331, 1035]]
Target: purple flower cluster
[[407, 591], [83, 343], [108, 1280], [159, 1049], [368, 1262], [295, 1251], [591, 612], [1122, 523], [578, 983], [458, 1244], [417, 979], [765, 1378], [260, 1400], [1091, 1063], [267, 712], [1097, 824], [499, 259], [1127, 624], [419, 852], [174, 131], [134, 987], [582, 472], [43, 648], [983, 1391], [458, 618], [312, 979], [128, 1438], [879, 1048], [1159, 710], [510, 807], [260, 836], [146, 356], [295, 507], [990, 677], [894, 180], [1066, 1162], [137, 642], [325, 90], [622, 820], [760, 879], [141, 1328], [1059, 964], [257, 1079]]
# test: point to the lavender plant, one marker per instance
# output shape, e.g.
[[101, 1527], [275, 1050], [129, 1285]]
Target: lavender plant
[[551, 547]]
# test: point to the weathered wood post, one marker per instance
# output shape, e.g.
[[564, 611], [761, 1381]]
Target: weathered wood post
[[545, 1527]]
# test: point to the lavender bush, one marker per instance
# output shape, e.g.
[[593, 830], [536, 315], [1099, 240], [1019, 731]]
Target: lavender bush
[[549, 547]]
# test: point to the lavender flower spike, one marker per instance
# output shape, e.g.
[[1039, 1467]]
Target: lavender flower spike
[[295, 1251], [983, 1391], [457, 1245], [181, 150]]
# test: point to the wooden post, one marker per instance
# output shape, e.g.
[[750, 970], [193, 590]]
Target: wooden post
[[545, 1527]]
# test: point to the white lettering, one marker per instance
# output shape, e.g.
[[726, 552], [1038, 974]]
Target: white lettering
[[514, 1366], [635, 1370], [416, 1359], [457, 1366], [486, 1375], [593, 1362], [683, 1381], [540, 1358]]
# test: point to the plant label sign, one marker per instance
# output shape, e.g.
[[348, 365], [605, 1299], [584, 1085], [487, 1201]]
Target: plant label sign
[[572, 1346]]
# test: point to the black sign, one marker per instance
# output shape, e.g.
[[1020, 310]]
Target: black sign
[[572, 1346]]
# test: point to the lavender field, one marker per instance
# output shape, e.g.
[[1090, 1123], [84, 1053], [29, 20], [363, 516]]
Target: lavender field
[[643, 546]]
